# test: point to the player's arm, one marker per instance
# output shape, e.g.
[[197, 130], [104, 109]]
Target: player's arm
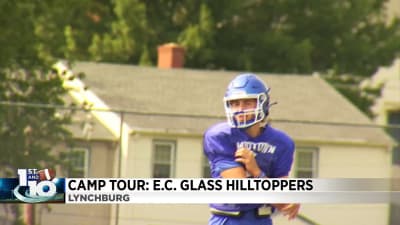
[[236, 172], [288, 209], [248, 159], [282, 168]]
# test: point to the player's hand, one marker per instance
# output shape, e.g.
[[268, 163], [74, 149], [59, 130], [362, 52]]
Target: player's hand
[[247, 158], [289, 210]]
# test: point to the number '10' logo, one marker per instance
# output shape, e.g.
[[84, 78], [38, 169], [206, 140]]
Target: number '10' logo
[[29, 178]]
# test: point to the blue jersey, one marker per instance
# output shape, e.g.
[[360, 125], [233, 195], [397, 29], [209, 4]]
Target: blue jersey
[[273, 152]]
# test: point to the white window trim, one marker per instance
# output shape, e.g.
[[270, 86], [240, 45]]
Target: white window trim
[[395, 155], [172, 162], [315, 160], [86, 158]]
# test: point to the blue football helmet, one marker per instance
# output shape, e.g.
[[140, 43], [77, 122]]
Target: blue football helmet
[[247, 86]]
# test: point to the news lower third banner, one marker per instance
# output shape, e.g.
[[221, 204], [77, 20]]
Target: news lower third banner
[[41, 186]]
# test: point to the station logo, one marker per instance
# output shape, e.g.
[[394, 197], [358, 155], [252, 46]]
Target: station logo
[[33, 186]]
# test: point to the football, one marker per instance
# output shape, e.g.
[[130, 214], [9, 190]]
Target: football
[[46, 174]]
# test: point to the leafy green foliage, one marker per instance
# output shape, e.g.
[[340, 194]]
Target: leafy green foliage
[[28, 134], [281, 36], [303, 36], [17, 40]]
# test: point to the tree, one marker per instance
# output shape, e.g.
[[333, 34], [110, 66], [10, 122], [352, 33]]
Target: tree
[[64, 29], [140, 26], [280, 36], [198, 40], [27, 134], [345, 36], [126, 37]]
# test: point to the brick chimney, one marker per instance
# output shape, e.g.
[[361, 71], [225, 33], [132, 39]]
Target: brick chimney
[[170, 55]]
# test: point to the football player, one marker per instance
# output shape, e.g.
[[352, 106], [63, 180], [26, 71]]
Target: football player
[[247, 147]]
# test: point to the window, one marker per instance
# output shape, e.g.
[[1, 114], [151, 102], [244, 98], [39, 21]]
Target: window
[[205, 167], [163, 159], [306, 162], [394, 119], [78, 161]]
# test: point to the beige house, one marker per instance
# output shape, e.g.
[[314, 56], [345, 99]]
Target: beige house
[[166, 111], [387, 111], [387, 107]]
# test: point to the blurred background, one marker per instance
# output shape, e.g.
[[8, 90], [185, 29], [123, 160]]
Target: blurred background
[[126, 88]]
